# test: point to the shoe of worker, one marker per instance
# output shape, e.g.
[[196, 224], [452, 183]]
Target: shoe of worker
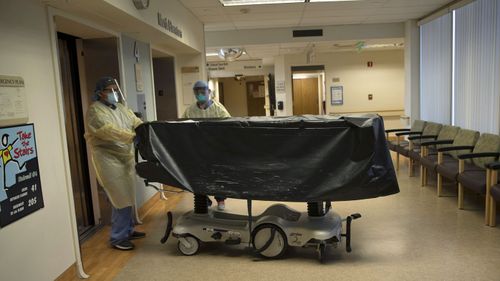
[[221, 205], [137, 235], [124, 245]]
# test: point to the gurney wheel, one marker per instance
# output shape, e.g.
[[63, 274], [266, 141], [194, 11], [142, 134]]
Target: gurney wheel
[[269, 241], [189, 246]]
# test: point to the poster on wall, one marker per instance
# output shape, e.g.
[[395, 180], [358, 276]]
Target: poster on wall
[[337, 95], [139, 83], [20, 186], [13, 108]]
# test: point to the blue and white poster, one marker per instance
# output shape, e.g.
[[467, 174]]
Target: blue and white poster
[[20, 187]]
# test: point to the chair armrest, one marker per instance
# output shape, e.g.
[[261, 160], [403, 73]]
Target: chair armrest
[[493, 166], [397, 130], [408, 133], [422, 137], [451, 148], [478, 155], [427, 143]]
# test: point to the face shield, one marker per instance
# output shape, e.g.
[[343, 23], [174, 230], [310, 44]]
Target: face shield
[[113, 94]]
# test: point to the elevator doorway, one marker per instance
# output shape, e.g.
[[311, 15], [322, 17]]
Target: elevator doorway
[[85, 55], [77, 151]]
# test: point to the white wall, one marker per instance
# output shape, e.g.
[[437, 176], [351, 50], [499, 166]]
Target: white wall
[[385, 80], [235, 98], [235, 94], [143, 193], [282, 74], [285, 35], [39, 246], [187, 61]]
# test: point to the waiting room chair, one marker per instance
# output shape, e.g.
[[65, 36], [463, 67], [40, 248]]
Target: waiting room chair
[[448, 166], [428, 152], [473, 173], [412, 151], [416, 128], [494, 193]]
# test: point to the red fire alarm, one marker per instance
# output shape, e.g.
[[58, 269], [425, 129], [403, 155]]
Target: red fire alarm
[[370, 64]]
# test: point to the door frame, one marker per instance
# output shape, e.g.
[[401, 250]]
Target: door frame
[[85, 160], [320, 70], [51, 13]]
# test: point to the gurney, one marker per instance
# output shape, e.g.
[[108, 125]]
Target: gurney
[[311, 159]]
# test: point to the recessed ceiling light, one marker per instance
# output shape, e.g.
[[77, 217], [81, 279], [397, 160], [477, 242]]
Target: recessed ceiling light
[[312, 1], [227, 3], [257, 2]]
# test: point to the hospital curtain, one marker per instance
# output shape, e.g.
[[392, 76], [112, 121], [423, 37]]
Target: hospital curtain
[[435, 70], [477, 66]]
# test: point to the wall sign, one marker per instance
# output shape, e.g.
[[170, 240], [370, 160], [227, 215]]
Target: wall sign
[[168, 25], [337, 95], [280, 86], [139, 82], [20, 186], [13, 108], [235, 66]]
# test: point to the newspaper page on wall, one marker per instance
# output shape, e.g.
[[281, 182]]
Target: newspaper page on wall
[[13, 107]]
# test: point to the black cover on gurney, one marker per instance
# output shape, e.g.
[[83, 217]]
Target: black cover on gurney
[[298, 158]]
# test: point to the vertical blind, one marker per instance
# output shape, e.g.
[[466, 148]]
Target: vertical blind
[[435, 70], [477, 66]]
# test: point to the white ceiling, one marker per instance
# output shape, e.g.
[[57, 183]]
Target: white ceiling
[[217, 17]]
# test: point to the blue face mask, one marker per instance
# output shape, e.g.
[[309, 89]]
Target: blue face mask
[[112, 98], [201, 98]]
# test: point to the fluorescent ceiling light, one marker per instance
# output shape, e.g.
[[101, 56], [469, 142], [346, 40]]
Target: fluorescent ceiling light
[[212, 54], [313, 1], [227, 3]]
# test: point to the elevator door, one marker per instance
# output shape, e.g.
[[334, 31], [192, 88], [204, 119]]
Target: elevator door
[[77, 152]]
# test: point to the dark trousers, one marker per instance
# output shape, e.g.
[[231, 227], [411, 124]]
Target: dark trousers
[[122, 224], [218, 198]]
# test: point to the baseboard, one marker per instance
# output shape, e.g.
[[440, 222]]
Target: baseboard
[[68, 274]]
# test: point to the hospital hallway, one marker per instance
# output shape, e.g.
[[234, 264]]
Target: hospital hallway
[[413, 235]]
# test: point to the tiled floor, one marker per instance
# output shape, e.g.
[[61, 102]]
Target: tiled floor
[[413, 235]]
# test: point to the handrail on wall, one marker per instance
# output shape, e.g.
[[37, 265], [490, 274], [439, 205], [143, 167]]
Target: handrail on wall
[[384, 113]]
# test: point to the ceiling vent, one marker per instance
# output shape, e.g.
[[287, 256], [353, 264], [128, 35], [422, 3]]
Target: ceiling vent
[[308, 33]]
